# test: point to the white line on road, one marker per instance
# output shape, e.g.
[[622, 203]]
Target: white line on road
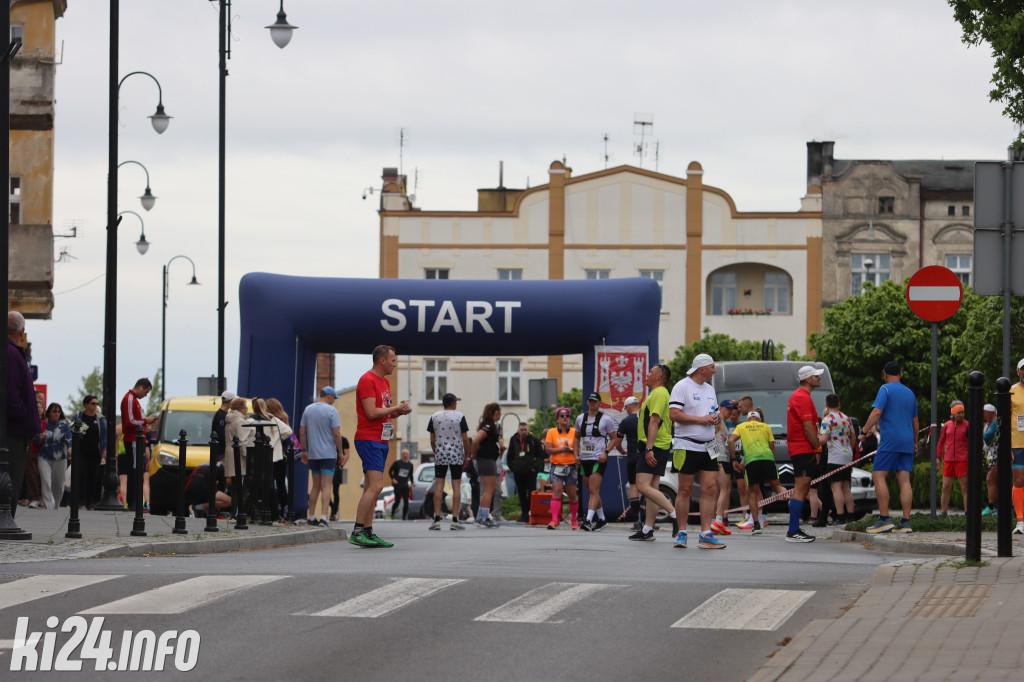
[[39, 586], [389, 598], [184, 595], [919, 293], [538, 605], [736, 609]]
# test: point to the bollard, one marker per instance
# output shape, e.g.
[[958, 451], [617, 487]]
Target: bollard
[[263, 476], [975, 400], [179, 521], [74, 523], [290, 454], [139, 524], [211, 509], [236, 487], [110, 500], [1004, 474]]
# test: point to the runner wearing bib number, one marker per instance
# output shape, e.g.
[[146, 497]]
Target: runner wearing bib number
[[558, 446], [596, 436]]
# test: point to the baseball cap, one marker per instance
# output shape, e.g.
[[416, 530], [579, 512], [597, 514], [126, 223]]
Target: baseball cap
[[631, 400], [892, 368], [1020, 364], [329, 390], [594, 396], [753, 415], [702, 360], [450, 399], [728, 403], [228, 395], [806, 372], [989, 407]]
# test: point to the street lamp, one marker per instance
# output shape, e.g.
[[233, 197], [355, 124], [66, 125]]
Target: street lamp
[[159, 120], [163, 322], [147, 198], [142, 245], [281, 33]]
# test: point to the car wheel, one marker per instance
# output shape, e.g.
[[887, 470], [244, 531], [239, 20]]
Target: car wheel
[[671, 495]]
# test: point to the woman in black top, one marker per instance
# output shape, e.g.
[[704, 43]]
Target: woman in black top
[[486, 448]]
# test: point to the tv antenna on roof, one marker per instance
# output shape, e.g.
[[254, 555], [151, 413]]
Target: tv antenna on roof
[[606, 151], [643, 125]]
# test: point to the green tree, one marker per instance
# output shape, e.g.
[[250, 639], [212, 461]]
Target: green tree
[[572, 399], [980, 347], [1000, 23], [91, 384], [721, 347], [153, 403]]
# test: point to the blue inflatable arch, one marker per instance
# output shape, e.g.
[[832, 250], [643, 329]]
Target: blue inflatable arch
[[286, 321]]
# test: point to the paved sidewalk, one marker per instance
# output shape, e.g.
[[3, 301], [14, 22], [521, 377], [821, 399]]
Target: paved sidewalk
[[107, 534], [920, 620]]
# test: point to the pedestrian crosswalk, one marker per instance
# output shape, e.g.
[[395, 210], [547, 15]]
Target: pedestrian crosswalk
[[548, 603]]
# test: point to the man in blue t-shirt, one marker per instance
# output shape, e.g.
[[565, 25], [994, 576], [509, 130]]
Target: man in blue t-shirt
[[895, 413]]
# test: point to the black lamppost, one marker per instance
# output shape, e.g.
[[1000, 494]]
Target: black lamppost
[[147, 198], [281, 33], [160, 120], [163, 321], [142, 245]]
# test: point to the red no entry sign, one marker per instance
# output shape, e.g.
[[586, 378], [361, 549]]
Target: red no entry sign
[[934, 293]]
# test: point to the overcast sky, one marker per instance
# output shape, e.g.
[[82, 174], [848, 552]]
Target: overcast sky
[[739, 86]]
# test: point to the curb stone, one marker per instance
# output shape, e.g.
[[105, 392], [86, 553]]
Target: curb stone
[[881, 541], [216, 545]]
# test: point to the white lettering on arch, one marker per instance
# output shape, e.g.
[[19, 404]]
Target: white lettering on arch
[[391, 308], [473, 316], [446, 317]]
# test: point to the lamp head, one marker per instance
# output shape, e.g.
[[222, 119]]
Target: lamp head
[[142, 245], [147, 199], [160, 120], [281, 30], [194, 282]]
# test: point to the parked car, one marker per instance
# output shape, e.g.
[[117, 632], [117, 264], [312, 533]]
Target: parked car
[[385, 500], [421, 502]]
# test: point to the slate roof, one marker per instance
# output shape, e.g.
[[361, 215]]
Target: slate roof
[[949, 175]]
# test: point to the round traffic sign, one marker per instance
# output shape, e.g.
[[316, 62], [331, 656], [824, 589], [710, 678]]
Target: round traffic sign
[[934, 293]]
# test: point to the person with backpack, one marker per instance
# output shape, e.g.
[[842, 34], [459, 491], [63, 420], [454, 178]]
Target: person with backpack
[[596, 436]]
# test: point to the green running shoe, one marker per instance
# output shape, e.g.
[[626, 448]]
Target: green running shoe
[[359, 539], [374, 541]]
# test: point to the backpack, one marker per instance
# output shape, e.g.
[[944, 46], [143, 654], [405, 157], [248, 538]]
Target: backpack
[[596, 431]]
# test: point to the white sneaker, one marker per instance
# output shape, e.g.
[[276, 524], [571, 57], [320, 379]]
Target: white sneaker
[[436, 525], [746, 524], [1019, 530]]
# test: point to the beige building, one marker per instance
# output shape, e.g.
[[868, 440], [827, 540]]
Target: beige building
[[884, 219], [30, 185], [710, 259]]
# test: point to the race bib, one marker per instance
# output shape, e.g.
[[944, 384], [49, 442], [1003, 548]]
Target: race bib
[[1020, 422], [588, 448], [403, 474], [388, 432]]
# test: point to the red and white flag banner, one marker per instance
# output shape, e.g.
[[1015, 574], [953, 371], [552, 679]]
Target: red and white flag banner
[[621, 372]]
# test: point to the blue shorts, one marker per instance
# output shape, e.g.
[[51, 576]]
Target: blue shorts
[[373, 453], [324, 467], [894, 461], [1018, 458]]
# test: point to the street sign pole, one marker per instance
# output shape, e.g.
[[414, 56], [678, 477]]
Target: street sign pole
[[1007, 246], [933, 424]]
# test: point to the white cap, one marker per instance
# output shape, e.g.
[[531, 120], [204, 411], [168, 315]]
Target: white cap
[[806, 372], [1020, 364], [753, 415], [228, 395], [702, 360], [631, 400], [989, 407]]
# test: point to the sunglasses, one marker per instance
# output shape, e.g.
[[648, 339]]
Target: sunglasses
[[93, 403]]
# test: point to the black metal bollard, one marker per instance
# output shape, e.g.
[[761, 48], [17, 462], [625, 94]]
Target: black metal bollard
[[975, 400], [1004, 481], [139, 523], [263, 464], [211, 510], [74, 523], [179, 521], [290, 453], [237, 489], [110, 500]]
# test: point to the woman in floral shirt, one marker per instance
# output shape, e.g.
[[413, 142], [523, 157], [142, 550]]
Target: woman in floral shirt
[[837, 429], [54, 450]]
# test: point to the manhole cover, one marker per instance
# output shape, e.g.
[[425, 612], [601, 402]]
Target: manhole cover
[[951, 601]]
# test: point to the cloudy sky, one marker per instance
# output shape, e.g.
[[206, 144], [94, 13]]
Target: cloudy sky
[[739, 86]]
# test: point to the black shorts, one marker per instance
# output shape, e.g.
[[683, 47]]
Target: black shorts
[[631, 472], [842, 476], [698, 460], [761, 472], [803, 464], [441, 472], [728, 468], [662, 457], [592, 466]]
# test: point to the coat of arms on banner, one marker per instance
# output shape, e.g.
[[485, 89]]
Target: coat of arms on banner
[[621, 372]]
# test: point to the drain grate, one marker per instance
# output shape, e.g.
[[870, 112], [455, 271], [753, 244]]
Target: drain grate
[[951, 601]]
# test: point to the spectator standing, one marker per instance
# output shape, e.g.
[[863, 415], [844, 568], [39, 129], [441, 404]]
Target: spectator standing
[[837, 431], [628, 435], [276, 410], [991, 449], [895, 410], [30, 490], [596, 436], [1017, 446], [322, 449], [952, 452], [236, 416], [93, 453], [525, 457], [220, 424], [804, 448], [54, 451], [564, 468], [486, 448], [402, 481], [132, 417], [449, 441], [278, 434]]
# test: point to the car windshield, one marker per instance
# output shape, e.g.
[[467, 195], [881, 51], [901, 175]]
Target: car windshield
[[774, 405], [196, 423], [426, 475]]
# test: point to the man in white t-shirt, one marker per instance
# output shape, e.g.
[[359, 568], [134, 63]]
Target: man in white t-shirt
[[693, 408], [449, 439], [596, 436]]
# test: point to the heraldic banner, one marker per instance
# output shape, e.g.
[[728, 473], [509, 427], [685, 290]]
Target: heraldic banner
[[621, 372]]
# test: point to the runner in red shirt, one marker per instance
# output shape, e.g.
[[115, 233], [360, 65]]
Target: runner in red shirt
[[804, 449]]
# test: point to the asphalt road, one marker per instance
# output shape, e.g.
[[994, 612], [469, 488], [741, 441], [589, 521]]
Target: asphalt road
[[512, 603]]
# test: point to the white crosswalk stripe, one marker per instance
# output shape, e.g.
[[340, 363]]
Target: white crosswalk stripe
[[39, 586], [183, 595], [389, 598], [741, 609], [541, 604]]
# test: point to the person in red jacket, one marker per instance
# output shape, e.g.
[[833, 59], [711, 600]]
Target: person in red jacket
[[132, 417], [952, 452]]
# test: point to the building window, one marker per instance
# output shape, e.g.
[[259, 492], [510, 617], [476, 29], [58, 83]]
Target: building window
[[657, 275], [598, 274], [723, 292], [951, 211], [868, 267], [436, 273], [885, 204], [776, 292], [965, 211], [17, 33], [14, 201], [510, 273], [435, 379], [961, 265], [510, 377]]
